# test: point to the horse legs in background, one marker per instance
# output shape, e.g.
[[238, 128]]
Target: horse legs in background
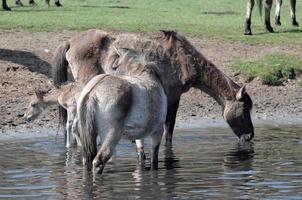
[[170, 120], [249, 9], [293, 12], [4, 5], [278, 10], [267, 12]]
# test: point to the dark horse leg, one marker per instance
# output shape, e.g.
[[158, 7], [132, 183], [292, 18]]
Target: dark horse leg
[[19, 3], [4, 5], [249, 9], [170, 120], [32, 3], [268, 6], [293, 12], [57, 3], [278, 10]]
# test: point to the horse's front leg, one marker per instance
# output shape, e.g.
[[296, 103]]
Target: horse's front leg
[[278, 11], [170, 120], [140, 151], [293, 13], [155, 143], [249, 9], [32, 3], [267, 13]]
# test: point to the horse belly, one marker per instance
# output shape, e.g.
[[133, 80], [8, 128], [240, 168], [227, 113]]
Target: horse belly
[[148, 112]]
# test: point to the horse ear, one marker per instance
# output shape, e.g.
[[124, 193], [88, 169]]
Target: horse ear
[[240, 93]]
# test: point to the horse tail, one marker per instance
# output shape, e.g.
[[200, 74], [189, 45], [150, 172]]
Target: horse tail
[[59, 74], [260, 6], [60, 64], [87, 127]]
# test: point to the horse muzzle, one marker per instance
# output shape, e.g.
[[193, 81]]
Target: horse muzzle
[[246, 137]]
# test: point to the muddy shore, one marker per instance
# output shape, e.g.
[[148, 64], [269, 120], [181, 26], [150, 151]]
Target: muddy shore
[[25, 65]]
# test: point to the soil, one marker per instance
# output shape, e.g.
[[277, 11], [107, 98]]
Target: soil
[[25, 66]]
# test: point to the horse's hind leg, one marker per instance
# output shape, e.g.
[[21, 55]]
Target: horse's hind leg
[[249, 9], [155, 142], [293, 13], [278, 10], [140, 151], [268, 6], [107, 148]]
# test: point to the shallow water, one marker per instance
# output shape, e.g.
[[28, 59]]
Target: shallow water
[[202, 164]]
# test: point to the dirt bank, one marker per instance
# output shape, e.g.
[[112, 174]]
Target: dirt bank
[[24, 66]]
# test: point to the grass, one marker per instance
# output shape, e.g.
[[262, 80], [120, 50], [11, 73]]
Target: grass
[[213, 19], [273, 69]]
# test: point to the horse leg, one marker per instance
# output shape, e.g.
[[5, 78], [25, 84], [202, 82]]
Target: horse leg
[[5, 6], [249, 9], [107, 148], [278, 10], [170, 120], [71, 139], [140, 151], [268, 6], [32, 3], [74, 131], [57, 3], [293, 13], [155, 143], [19, 3]]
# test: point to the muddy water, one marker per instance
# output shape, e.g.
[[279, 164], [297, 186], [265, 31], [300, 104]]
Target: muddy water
[[202, 164]]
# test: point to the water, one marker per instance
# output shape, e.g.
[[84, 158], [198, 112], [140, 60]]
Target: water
[[202, 164]]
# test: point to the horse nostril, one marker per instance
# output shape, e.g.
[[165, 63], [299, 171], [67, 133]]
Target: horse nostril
[[28, 119]]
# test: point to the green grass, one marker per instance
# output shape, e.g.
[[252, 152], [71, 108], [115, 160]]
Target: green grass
[[213, 19], [273, 69]]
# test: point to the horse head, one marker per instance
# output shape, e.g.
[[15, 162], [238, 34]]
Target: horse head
[[35, 107], [237, 114]]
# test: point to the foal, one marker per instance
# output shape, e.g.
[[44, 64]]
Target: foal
[[65, 96]]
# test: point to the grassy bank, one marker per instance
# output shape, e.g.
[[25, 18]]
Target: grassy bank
[[273, 69], [214, 19]]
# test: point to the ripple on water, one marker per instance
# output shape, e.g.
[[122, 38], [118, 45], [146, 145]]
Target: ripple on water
[[201, 164]]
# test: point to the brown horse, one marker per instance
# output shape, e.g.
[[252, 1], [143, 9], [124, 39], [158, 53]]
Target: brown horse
[[179, 64], [31, 2], [268, 6]]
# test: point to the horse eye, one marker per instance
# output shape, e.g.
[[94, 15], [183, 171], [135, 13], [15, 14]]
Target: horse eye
[[33, 105]]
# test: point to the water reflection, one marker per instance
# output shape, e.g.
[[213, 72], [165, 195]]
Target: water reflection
[[201, 164]]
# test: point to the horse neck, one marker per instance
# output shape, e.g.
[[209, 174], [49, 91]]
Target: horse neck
[[52, 98], [203, 74], [215, 83]]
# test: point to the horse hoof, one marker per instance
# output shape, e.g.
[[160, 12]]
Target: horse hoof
[[6, 9], [248, 32], [278, 23], [295, 23], [269, 30], [58, 4]]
